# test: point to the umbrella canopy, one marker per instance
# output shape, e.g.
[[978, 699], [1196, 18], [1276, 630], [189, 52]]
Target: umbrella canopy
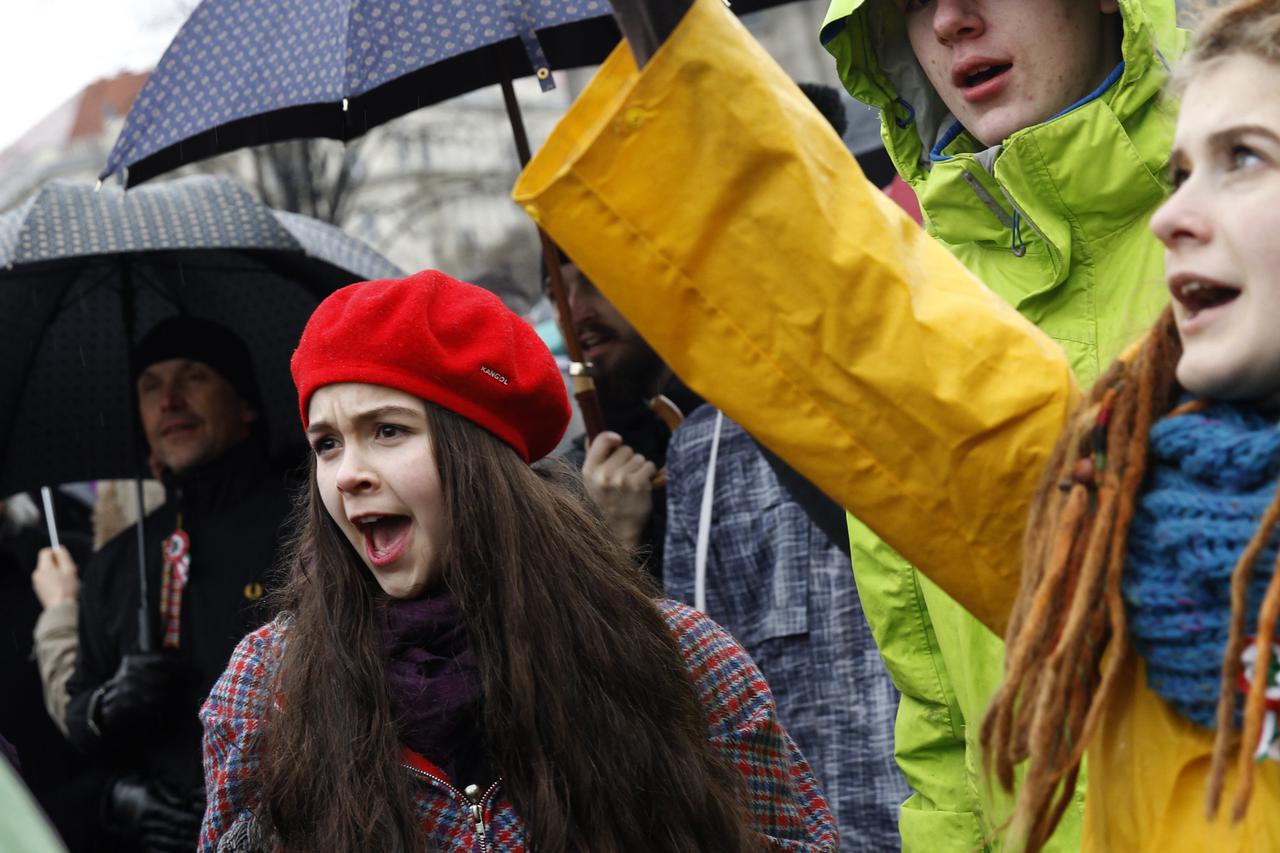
[[245, 72], [84, 275], [248, 72]]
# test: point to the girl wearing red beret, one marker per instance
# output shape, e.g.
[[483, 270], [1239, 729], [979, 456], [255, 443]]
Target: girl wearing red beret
[[465, 659]]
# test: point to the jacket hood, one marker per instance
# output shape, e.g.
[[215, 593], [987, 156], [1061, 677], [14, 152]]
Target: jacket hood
[[875, 61]]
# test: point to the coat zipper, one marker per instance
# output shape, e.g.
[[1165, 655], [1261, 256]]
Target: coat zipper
[[1014, 222], [477, 799], [473, 799]]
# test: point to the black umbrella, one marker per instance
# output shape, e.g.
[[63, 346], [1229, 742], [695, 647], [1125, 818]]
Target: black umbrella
[[84, 275], [247, 72]]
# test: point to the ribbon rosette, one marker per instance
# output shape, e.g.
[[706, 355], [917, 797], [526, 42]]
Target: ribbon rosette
[[1268, 744]]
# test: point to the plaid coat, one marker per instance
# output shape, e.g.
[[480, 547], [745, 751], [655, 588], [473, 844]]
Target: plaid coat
[[785, 805]]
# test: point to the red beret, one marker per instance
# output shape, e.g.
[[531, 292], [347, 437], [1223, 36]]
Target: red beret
[[452, 343]]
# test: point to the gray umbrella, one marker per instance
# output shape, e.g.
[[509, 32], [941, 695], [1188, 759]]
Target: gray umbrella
[[84, 274]]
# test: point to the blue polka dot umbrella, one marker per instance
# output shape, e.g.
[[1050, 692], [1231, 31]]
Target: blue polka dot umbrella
[[245, 72], [249, 72]]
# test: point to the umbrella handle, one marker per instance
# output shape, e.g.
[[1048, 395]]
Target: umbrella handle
[[145, 643], [584, 386], [646, 24], [46, 497], [145, 632]]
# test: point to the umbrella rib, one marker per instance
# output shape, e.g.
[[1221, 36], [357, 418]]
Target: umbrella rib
[[147, 280], [65, 301], [347, 85]]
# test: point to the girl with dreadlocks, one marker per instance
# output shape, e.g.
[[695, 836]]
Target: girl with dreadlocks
[[1144, 518], [467, 660], [1154, 529]]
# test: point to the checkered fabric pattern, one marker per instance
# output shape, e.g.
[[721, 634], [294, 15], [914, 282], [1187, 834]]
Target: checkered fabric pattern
[[780, 586], [786, 807]]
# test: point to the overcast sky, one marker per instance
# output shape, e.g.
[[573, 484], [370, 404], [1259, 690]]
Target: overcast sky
[[51, 49]]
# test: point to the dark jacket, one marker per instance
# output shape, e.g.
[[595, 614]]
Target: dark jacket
[[232, 511]]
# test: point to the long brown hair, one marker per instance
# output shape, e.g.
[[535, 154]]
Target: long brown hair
[[589, 710], [1067, 636]]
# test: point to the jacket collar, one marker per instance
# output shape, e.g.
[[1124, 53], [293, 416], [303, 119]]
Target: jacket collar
[[221, 483]]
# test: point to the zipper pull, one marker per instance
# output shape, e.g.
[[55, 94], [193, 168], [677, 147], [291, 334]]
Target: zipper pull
[[1018, 245], [476, 796]]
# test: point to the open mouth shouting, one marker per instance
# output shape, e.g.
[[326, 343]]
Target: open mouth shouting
[[386, 536], [1201, 298], [980, 78]]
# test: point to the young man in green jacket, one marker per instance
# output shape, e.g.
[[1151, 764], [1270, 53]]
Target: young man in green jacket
[[1035, 137]]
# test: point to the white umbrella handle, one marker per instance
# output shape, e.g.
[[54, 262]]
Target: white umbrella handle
[[47, 497]]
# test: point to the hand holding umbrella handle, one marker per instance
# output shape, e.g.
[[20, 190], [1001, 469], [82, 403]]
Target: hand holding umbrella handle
[[645, 24], [669, 413]]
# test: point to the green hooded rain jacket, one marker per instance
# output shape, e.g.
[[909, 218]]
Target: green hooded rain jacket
[[1054, 220]]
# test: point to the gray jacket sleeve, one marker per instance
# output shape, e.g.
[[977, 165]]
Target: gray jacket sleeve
[[56, 640]]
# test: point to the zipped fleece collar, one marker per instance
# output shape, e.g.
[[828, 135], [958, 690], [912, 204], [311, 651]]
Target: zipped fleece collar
[[1029, 192]]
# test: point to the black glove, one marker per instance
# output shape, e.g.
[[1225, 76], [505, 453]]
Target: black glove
[[142, 691], [157, 816]]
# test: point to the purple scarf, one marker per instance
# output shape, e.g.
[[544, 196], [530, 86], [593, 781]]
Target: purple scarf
[[434, 680]]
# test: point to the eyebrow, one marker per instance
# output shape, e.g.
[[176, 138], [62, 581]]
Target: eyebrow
[[1227, 134], [377, 414], [1239, 130]]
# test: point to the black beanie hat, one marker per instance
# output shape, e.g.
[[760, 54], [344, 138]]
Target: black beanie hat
[[828, 101], [197, 339]]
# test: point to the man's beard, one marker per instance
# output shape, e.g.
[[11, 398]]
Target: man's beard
[[631, 381]]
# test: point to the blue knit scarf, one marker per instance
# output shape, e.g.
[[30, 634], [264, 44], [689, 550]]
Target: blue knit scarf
[[1210, 478]]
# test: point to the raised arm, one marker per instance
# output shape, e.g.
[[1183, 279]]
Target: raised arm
[[718, 211]]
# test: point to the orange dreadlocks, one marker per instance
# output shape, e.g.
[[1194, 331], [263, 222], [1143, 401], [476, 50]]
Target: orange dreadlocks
[[1069, 613]]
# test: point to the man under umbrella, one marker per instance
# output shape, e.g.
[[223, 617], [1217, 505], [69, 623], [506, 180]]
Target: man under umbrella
[[618, 467], [208, 552]]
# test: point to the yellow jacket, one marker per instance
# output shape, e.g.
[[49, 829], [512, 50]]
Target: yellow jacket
[[727, 222]]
